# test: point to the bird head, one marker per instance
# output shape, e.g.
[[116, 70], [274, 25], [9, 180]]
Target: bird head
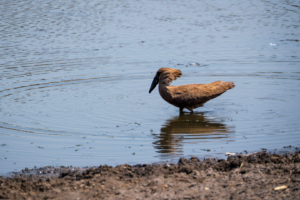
[[165, 75]]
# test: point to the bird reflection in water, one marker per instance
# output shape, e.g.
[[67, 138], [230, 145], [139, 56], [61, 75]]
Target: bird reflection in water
[[191, 129]]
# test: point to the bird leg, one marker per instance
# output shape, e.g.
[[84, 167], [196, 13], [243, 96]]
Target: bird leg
[[190, 109], [181, 110]]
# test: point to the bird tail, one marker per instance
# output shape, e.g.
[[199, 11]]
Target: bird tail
[[229, 85]]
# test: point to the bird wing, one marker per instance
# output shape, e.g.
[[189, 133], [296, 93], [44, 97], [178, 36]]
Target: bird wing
[[196, 94]]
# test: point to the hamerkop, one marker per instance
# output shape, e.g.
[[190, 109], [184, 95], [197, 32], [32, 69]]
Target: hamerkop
[[186, 96]]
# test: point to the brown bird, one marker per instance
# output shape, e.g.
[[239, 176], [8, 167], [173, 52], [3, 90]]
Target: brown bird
[[186, 96]]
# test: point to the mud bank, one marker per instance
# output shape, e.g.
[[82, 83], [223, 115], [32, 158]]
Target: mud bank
[[256, 176]]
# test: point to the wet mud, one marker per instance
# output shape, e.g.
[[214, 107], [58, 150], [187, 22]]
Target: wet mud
[[259, 175]]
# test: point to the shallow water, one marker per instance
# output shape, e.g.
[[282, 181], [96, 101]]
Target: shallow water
[[75, 77]]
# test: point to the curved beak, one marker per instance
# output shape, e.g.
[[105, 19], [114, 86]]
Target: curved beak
[[154, 83]]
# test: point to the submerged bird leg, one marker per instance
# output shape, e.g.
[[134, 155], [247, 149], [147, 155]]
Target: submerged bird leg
[[190, 109]]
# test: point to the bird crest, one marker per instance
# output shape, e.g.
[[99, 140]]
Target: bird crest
[[167, 75]]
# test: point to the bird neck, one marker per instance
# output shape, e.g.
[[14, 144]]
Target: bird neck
[[165, 92]]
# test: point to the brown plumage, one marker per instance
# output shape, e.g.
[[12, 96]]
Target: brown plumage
[[186, 96]]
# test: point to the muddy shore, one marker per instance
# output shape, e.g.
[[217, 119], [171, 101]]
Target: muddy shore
[[259, 175]]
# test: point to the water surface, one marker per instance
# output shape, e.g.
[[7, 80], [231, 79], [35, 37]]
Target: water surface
[[75, 77]]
